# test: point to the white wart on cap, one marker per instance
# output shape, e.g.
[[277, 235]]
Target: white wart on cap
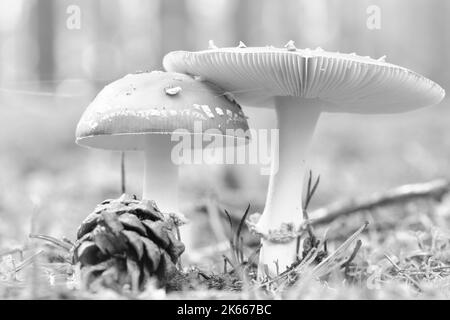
[[300, 84], [142, 111]]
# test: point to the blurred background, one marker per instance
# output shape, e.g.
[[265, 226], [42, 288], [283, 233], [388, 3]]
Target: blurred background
[[55, 55]]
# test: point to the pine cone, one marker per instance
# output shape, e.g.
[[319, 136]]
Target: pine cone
[[125, 242]]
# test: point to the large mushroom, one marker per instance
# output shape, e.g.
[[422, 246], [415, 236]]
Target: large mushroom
[[142, 111], [301, 84]]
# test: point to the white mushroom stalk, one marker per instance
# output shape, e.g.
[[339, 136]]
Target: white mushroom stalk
[[161, 174], [283, 211], [301, 83]]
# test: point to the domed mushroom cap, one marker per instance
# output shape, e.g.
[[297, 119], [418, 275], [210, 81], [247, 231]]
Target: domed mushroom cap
[[142, 104], [343, 82]]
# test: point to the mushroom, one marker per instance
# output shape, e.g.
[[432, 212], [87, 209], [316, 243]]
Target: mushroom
[[301, 84], [142, 111]]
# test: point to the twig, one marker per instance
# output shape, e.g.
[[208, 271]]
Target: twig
[[225, 265], [253, 255], [204, 275], [309, 258], [331, 261], [241, 249], [392, 262], [227, 260], [347, 263], [309, 195], [400, 271], [230, 221], [62, 244], [28, 261], [237, 236], [434, 189], [250, 260], [231, 238], [311, 191]]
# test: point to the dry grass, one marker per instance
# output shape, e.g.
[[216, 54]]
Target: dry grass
[[408, 259]]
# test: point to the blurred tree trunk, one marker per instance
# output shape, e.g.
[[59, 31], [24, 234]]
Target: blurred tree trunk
[[154, 35], [267, 22], [44, 30], [350, 36], [439, 33], [103, 62], [174, 26], [248, 23]]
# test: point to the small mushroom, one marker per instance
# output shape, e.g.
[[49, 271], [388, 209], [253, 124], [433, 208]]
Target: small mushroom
[[161, 103], [301, 84]]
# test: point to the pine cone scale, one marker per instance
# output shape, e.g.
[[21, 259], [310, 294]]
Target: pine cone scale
[[153, 254], [87, 225], [131, 222], [134, 239]]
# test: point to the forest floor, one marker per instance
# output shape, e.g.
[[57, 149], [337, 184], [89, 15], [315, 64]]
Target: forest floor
[[49, 185], [396, 251]]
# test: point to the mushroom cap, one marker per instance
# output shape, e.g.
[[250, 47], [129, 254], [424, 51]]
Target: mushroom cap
[[342, 82], [126, 111]]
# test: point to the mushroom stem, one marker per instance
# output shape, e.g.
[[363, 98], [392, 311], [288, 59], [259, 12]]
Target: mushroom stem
[[283, 215], [161, 174]]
